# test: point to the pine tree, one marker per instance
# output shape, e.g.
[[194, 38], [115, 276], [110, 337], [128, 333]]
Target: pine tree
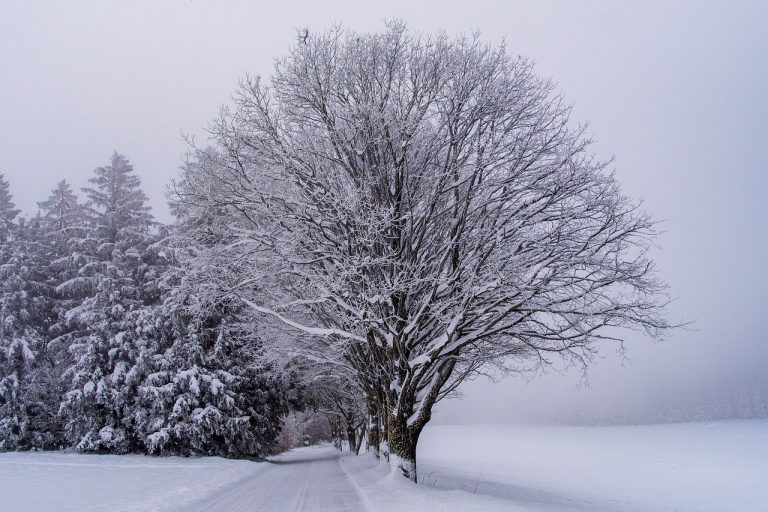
[[64, 226], [208, 390], [109, 340], [68, 248], [118, 207], [106, 346], [15, 352], [8, 213], [207, 393], [46, 249], [26, 403]]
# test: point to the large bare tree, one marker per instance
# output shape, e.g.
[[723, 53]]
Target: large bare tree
[[420, 207]]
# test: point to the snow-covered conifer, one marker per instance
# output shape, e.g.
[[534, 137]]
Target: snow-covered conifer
[[27, 388], [106, 328], [210, 390]]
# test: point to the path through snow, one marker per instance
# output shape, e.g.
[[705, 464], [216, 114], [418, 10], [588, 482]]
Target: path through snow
[[304, 479]]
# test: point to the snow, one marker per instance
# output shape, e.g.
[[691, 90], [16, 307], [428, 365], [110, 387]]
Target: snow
[[21, 346], [304, 479], [64, 482], [703, 467], [686, 467], [382, 490]]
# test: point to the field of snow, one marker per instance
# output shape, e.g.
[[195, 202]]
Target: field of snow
[[70, 482], [716, 466], [689, 467]]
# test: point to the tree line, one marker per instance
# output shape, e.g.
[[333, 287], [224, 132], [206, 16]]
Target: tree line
[[105, 342]]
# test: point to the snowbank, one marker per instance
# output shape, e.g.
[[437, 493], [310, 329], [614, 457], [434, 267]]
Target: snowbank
[[64, 482], [383, 491]]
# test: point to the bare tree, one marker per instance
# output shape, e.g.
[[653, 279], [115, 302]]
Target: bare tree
[[340, 398], [419, 207]]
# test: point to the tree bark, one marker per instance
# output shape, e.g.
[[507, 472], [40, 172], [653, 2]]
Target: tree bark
[[374, 437], [351, 437], [402, 441], [384, 431], [360, 439], [403, 437]]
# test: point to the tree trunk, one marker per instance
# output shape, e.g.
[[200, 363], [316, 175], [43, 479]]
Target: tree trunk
[[351, 437], [335, 431], [384, 444], [384, 433], [374, 437], [402, 441], [360, 439], [403, 437]]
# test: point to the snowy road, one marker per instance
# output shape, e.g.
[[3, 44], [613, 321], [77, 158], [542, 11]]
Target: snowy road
[[305, 479]]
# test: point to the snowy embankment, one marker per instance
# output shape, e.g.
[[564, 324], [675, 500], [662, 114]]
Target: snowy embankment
[[64, 482], [383, 491]]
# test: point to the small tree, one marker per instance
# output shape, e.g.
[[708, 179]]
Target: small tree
[[424, 207]]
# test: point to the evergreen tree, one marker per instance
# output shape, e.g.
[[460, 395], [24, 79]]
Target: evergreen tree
[[64, 227], [27, 407], [110, 339], [16, 354], [208, 390], [118, 272], [207, 393], [68, 248], [8, 213]]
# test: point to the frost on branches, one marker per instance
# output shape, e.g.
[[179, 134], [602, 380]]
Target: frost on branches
[[210, 389], [415, 208]]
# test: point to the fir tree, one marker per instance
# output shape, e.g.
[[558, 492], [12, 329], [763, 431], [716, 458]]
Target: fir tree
[[209, 390], [26, 403], [101, 387], [207, 393]]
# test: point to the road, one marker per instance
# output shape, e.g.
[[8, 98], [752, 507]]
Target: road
[[306, 479]]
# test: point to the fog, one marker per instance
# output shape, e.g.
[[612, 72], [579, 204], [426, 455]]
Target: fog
[[678, 92]]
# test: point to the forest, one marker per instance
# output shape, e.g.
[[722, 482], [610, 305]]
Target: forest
[[106, 346]]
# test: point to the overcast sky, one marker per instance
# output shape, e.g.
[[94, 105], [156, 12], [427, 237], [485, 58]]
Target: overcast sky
[[677, 91]]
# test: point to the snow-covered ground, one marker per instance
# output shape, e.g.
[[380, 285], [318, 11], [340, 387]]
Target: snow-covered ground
[[383, 491], [64, 482], [685, 467], [718, 466]]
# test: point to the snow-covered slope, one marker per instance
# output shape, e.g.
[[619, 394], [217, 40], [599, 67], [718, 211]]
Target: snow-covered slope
[[687, 467]]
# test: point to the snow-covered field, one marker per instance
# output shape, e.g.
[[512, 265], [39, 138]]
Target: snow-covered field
[[64, 482], [693, 467], [717, 466]]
